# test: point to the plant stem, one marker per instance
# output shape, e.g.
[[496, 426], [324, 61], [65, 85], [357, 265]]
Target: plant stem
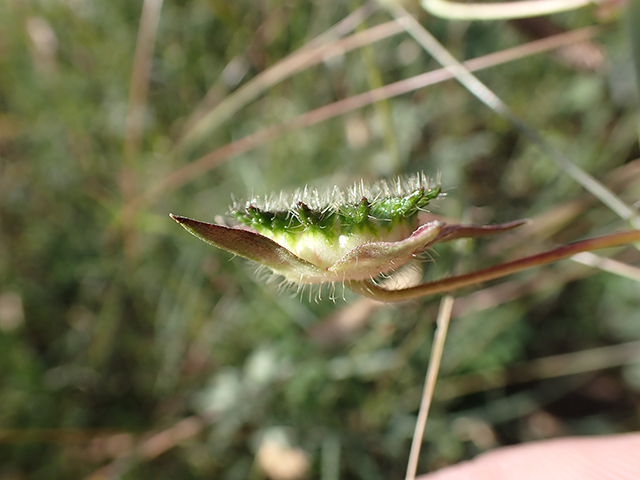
[[369, 289], [442, 325], [500, 10]]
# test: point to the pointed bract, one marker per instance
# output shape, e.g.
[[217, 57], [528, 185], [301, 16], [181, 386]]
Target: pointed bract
[[252, 246], [372, 259]]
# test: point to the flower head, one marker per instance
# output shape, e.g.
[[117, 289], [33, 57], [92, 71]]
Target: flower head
[[310, 238]]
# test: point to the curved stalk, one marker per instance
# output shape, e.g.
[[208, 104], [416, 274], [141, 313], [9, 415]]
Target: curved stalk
[[500, 10], [369, 289]]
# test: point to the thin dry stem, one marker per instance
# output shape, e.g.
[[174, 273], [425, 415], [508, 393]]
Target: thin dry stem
[[442, 325]]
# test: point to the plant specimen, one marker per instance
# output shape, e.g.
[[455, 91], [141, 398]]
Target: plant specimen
[[354, 237]]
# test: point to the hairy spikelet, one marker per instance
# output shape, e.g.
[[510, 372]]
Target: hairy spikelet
[[362, 207]]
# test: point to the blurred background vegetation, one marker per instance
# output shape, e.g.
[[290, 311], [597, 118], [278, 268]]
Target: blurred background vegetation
[[129, 349]]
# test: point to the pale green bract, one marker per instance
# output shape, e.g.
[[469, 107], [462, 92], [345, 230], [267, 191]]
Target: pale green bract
[[313, 238]]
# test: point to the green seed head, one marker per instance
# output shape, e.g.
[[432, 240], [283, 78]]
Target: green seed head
[[322, 227], [354, 236]]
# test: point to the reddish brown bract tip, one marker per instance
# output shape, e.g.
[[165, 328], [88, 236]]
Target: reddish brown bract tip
[[177, 218]]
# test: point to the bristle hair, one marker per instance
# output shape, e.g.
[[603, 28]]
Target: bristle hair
[[331, 200]]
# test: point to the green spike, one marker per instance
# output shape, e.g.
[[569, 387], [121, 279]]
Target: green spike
[[308, 217], [355, 214]]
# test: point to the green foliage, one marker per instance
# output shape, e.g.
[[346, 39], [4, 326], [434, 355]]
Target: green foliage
[[116, 327]]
